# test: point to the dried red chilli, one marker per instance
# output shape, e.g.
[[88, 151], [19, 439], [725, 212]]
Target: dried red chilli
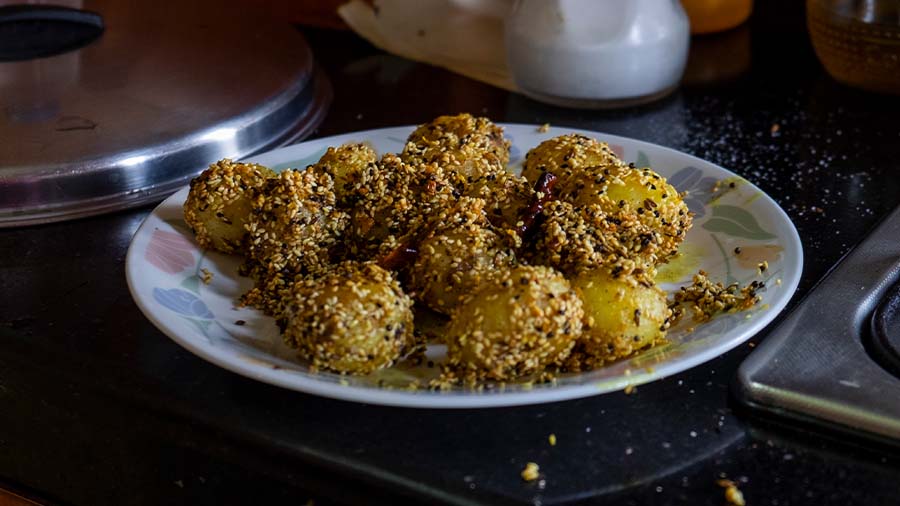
[[400, 256], [543, 189]]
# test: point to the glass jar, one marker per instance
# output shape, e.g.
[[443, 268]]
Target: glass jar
[[858, 41], [597, 53]]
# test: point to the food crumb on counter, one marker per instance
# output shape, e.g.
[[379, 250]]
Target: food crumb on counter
[[552, 439], [775, 128], [531, 472], [544, 128], [630, 389], [733, 494], [206, 276]]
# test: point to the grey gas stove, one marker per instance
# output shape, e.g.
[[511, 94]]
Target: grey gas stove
[[835, 360]]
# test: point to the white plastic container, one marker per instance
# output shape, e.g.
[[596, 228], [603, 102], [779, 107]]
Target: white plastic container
[[597, 53]]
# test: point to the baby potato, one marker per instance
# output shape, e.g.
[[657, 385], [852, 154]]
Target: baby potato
[[564, 156], [573, 239], [623, 313], [520, 322], [466, 146], [292, 227], [505, 194], [459, 257], [345, 164], [392, 198], [218, 203], [622, 190], [354, 319]]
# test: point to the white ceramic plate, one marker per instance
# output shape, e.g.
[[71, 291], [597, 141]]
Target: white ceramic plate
[[164, 268]]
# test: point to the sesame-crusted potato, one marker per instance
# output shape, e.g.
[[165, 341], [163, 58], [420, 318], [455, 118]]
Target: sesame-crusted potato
[[623, 314], [574, 239], [466, 146], [218, 203], [505, 194], [354, 319], [292, 228], [345, 164], [520, 322], [564, 156], [457, 258], [620, 190], [391, 198]]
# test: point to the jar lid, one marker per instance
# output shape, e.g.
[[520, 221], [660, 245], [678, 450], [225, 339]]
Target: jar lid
[[119, 107]]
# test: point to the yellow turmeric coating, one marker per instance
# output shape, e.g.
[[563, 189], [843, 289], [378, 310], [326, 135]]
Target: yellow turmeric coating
[[624, 313]]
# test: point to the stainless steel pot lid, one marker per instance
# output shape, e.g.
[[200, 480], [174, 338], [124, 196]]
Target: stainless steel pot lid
[[116, 104]]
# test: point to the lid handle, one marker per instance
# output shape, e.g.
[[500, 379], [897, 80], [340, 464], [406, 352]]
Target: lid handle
[[39, 31]]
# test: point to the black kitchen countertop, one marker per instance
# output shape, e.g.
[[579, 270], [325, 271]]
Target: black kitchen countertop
[[98, 407]]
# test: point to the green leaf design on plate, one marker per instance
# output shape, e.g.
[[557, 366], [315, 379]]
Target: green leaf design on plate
[[202, 327], [642, 160], [736, 222], [191, 283]]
